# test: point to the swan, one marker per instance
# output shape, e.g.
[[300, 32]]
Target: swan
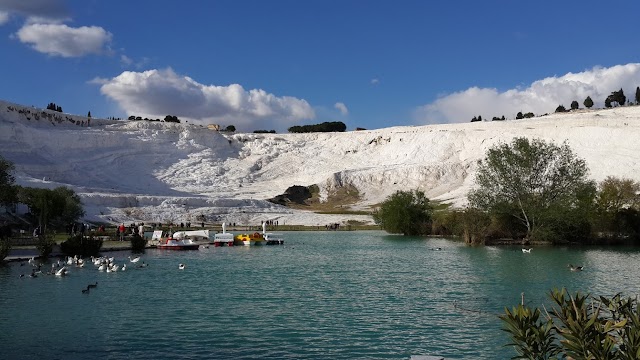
[[575, 268], [124, 267], [62, 271], [526, 251], [135, 259], [181, 266], [32, 261], [102, 267]]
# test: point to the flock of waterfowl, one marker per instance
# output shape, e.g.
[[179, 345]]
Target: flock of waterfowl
[[570, 266], [103, 264]]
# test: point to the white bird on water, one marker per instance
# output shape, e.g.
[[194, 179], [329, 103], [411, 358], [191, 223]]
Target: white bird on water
[[62, 271], [135, 259], [526, 251], [181, 266]]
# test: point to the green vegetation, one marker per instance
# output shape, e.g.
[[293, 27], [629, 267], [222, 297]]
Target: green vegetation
[[540, 185], [561, 109], [334, 126], [56, 207], [8, 193], [171, 118], [45, 245], [574, 105], [5, 245], [576, 327], [54, 107], [616, 97], [230, 128], [81, 245], [405, 212], [138, 243], [588, 103]]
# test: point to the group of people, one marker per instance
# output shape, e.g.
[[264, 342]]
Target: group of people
[[121, 230]]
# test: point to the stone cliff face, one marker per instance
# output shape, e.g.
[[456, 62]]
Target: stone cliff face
[[153, 171]]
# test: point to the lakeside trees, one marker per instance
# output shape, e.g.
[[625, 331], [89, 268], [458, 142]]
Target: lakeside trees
[[405, 212], [540, 185]]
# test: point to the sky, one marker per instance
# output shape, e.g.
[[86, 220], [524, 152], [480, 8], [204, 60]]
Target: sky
[[263, 65]]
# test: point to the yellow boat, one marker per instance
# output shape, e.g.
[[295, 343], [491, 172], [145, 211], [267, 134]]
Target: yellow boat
[[248, 239]]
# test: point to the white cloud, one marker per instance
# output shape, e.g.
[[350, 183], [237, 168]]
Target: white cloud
[[375, 81], [156, 93], [4, 17], [342, 108], [542, 96], [65, 41], [125, 60]]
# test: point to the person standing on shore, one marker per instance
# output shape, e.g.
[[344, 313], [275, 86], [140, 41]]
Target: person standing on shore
[[122, 229]]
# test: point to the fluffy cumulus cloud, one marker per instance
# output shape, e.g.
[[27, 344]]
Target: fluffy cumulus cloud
[[65, 41], [542, 96], [156, 93], [342, 108]]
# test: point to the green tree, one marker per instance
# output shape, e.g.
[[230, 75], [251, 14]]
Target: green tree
[[637, 95], [616, 194], [617, 97], [574, 105], [8, 191], [533, 181], [607, 102], [561, 109], [230, 128], [588, 103], [519, 115], [405, 212], [89, 114], [56, 207]]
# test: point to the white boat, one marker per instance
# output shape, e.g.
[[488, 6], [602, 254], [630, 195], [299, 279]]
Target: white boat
[[176, 244], [271, 238], [224, 238]]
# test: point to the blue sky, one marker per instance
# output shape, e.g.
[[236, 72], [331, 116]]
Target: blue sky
[[274, 64]]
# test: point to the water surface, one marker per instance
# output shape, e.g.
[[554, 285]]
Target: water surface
[[323, 295]]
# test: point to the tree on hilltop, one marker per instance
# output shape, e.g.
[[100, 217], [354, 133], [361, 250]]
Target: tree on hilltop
[[561, 109], [519, 115], [588, 103], [637, 95], [230, 128], [574, 105], [170, 118], [616, 97]]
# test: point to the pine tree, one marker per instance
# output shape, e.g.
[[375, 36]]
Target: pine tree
[[560, 109], [89, 114], [574, 105], [588, 103], [519, 115], [638, 95]]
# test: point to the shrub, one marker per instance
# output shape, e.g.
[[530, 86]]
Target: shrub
[[78, 245], [588, 103], [45, 245], [576, 327], [138, 243]]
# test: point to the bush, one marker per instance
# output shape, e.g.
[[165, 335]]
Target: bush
[[78, 245], [334, 126], [138, 243], [405, 212], [45, 245], [577, 327]]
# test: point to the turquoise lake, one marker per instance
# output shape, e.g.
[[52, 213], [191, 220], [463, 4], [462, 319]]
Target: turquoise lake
[[323, 295]]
